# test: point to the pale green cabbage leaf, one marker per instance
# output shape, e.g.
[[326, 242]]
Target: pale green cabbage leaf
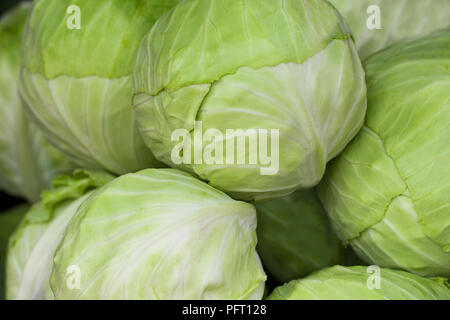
[[28, 162], [400, 20], [9, 220], [295, 236], [77, 82], [288, 65], [388, 193], [32, 246], [159, 234], [357, 283]]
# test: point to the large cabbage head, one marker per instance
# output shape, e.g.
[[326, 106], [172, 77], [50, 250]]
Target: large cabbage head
[[28, 162], [9, 221], [363, 283], [388, 193], [77, 81], [282, 75], [159, 234], [399, 20], [295, 236], [32, 246]]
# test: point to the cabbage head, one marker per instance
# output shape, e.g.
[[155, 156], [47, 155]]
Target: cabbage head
[[77, 82], [286, 65], [388, 193], [295, 236], [28, 162], [32, 246], [399, 20], [9, 220], [360, 283], [159, 234]]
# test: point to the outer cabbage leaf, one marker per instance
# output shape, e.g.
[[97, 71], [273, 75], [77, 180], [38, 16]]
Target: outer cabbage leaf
[[9, 220], [159, 234], [295, 236], [352, 283], [77, 82], [28, 162], [287, 65], [31, 248], [400, 20], [388, 193]]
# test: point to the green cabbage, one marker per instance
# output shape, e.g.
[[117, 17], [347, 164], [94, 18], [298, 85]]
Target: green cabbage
[[28, 162], [9, 220], [276, 65], [295, 236], [159, 234], [388, 193], [77, 82], [32, 246], [400, 20], [355, 283]]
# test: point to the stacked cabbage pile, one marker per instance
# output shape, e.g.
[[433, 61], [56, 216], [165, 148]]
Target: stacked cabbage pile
[[91, 93]]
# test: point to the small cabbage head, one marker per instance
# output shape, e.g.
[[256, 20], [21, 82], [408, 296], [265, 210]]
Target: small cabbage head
[[32, 246], [295, 236], [159, 234], [78, 58], [399, 20], [28, 162], [273, 65], [363, 283], [388, 193], [9, 221]]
